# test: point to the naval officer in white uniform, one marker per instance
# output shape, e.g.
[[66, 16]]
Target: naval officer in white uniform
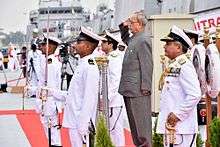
[[50, 109], [180, 93], [82, 96], [110, 48]]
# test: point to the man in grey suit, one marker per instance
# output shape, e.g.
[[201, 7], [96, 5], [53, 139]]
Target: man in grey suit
[[136, 79]]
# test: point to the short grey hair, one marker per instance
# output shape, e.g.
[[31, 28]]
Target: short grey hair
[[140, 17]]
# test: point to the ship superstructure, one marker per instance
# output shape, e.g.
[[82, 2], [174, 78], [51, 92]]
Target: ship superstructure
[[63, 16]]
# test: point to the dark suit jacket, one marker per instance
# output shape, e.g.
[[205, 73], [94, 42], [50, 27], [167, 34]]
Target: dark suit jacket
[[137, 66]]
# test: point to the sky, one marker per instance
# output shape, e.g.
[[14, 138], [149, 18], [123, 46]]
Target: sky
[[14, 13]]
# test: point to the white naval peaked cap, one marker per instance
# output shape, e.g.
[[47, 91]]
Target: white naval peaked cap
[[51, 39], [177, 34], [188, 31], [109, 35], [192, 34], [55, 39], [112, 39], [87, 35]]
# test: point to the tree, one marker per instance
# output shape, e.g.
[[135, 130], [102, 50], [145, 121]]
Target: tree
[[102, 136], [215, 132], [15, 38]]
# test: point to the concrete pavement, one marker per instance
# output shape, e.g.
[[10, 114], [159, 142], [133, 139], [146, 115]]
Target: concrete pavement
[[13, 134]]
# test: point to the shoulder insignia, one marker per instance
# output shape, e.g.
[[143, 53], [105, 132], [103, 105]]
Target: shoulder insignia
[[189, 54], [91, 62], [181, 61], [49, 60], [114, 55]]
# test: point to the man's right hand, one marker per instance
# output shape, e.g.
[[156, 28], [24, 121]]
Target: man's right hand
[[146, 92], [172, 119]]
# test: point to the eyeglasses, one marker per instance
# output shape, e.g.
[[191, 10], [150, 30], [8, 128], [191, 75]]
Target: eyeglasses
[[132, 21]]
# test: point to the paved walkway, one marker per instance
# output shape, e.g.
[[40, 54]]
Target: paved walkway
[[12, 134]]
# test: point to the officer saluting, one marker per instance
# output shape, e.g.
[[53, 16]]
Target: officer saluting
[[109, 46], [50, 107], [180, 93], [82, 96]]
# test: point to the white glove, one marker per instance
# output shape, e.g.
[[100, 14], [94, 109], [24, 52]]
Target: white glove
[[83, 138], [83, 131], [49, 90], [44, 92]]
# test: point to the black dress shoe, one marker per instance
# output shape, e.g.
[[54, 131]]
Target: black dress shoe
[[33, 96], [56, 146], [143, 142]]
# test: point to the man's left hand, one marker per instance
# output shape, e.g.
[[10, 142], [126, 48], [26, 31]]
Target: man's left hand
[[172, 119]]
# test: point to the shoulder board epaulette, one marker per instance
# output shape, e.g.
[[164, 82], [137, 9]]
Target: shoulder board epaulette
[[91, 62], [188, 55], [114, 55], [181, 61], [49, 60]]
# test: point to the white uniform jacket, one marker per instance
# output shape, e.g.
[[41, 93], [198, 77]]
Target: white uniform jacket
[[37, 59], [82, 96], [13, 63], [53, 81], [180, 95], [198, 58], [115, 66], [1, 59]]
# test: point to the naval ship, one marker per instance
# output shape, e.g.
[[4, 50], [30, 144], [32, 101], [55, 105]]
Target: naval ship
[[63, 16]]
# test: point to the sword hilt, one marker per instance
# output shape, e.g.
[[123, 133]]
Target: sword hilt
[[171, 130]]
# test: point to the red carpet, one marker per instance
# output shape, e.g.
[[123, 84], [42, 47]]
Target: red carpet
[[30, 123]]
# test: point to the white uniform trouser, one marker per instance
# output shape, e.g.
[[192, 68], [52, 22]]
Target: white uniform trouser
[[1, 64], [75, 138], [182, 141], [13, 64], [55, 132], [33, 82], [202, 131], [116, 126]]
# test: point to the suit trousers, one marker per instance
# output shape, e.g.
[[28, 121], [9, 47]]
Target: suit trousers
[[182, 140], [139, 117]]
